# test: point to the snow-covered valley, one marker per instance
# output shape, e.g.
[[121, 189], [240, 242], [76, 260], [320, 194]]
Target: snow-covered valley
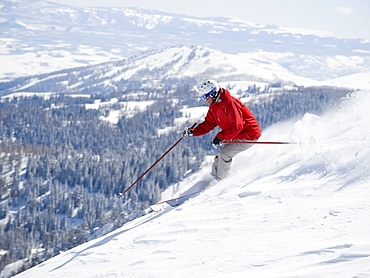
[[287, 211]]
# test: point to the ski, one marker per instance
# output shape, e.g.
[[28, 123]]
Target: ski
[[173, 202]]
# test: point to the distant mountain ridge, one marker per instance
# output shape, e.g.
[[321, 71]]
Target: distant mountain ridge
[[40, 37], [169, 68]]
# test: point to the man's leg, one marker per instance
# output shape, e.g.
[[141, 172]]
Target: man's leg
[[222, 163], [214, 167]]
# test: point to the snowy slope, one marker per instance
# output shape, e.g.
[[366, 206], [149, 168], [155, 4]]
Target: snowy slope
[[357, 80], [287, 211]]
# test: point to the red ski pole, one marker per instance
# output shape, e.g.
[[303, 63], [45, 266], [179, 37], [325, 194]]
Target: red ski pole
[[150, 168], [246, 142]]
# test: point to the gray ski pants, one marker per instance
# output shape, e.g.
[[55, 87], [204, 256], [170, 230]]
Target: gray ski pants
[[222, 163]]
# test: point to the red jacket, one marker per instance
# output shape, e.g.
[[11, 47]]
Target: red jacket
[[232, 116]]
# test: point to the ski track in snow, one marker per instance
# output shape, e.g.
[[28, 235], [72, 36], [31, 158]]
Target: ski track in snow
[[287, 211]]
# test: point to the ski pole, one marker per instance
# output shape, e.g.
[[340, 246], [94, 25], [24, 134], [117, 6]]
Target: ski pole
[[150, 168], [244, 142]]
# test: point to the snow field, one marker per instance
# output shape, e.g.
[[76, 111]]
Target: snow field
[[287, 211]]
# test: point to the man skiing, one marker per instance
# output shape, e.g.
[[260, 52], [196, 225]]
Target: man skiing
[[236, 121]]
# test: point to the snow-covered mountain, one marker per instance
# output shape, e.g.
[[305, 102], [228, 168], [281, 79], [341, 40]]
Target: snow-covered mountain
[[40, 37], [162, 68], [287, 211], [178, 66]]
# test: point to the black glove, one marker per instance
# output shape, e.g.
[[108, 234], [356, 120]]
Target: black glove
[[217, 142], [188, 132]]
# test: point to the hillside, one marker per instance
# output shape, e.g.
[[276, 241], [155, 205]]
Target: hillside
[[287, 211], [176, 67], [167, 68], [64, 158]]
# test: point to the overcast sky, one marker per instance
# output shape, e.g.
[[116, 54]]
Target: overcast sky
[[342, 18]]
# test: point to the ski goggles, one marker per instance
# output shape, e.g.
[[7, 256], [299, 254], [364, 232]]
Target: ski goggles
[[207, 95]]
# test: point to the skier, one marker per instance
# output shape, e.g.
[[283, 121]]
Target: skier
[[236, 121]]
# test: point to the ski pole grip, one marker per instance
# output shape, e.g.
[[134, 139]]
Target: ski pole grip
[[193, 125]]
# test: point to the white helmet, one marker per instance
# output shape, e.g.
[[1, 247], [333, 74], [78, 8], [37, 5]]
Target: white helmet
[[209, 88]]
